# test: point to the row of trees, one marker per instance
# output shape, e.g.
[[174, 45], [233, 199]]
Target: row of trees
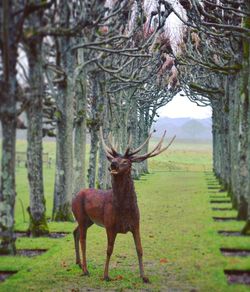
[[74, 66], [217, 56]]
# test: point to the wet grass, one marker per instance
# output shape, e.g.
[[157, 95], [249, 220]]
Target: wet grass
[[179, 237]]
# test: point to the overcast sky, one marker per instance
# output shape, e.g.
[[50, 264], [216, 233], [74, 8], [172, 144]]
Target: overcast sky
[[181, 107]]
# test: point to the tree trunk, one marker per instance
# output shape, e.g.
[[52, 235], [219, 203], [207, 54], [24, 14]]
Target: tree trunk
[[65, 104], [218, 139], [37, 210], [243, 166], [134, 128], [93, 156], [94, 121], [244, 126], [225, 146], [143, 135], [80, 130], [64, 157], [8, 120], [104, 181], [233, 137], [8, 192]]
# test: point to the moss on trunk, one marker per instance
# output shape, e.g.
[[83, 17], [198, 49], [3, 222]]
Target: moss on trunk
[[234, 203], [246, 228], [37, 227], [7, 244], [242, 209], [63, 213]]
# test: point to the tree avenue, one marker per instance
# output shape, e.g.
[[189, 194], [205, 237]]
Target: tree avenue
[[76, 66]]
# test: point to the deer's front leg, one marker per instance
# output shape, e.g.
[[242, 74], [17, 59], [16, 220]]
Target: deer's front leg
[[111, 240], [137, 240]]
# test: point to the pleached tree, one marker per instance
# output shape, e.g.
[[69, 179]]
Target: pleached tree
[[9, 43], [33, 45], [217, 43]]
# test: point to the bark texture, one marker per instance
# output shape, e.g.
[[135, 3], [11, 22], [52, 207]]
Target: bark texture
[[80, 129], [8, 121], [63, 189], [95, 115], [37, 210]]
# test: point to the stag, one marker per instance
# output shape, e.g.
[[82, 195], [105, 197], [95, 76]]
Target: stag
[[116, 209]]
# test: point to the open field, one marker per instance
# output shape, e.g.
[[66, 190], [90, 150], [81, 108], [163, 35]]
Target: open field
[[179, 236]]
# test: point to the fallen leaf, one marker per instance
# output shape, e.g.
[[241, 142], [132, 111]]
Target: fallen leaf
[[163, 261], [63, 264], [119, 277]]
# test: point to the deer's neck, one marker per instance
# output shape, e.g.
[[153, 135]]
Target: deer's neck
[[124, 196]]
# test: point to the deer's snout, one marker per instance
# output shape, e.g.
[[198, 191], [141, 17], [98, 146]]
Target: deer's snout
[[114, 165]]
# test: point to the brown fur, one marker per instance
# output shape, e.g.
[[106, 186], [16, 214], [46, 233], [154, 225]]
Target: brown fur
[[115, 209]]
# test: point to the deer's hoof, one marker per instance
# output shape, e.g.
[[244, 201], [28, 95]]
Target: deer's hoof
[[145, 280], [86, 273], [106, 278]]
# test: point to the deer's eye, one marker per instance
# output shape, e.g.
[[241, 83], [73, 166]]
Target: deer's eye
[[124, 162]]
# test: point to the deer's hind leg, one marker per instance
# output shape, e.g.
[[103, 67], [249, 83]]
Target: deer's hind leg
[[76, 234], [82, 228]]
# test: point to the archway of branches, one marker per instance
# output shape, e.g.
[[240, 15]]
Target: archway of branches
[[112, 65]]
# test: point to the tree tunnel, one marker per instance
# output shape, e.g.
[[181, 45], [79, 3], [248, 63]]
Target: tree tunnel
[[113, 65]]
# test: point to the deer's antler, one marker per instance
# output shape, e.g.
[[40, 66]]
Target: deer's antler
[[110, 152], [129, 145], [141, 146], [112, 147], [156, 151]]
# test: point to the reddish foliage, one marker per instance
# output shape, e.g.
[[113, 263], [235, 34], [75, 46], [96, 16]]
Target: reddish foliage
[[104, 29]]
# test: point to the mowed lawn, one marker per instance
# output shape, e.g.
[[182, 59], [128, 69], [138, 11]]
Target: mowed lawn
[[179, 237]]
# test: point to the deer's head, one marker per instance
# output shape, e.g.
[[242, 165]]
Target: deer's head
[[122, 163]]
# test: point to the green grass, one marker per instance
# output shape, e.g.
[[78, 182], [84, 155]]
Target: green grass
[[179, 237]]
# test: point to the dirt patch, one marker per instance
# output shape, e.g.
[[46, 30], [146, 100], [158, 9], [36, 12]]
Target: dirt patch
[[57, 234], [231, 252], [238, 277], [231, 233], [20, 234], [221, 219], [30, 252], [222, 191], [50, 235], [222, 209], [220, 201], [6, 274]]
